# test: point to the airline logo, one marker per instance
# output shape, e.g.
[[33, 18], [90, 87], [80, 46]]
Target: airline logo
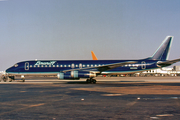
[[45, 63]]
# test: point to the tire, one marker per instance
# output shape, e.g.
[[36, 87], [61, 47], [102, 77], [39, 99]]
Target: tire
[[93, 81]]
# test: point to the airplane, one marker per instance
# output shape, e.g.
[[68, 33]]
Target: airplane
[[76, 69]]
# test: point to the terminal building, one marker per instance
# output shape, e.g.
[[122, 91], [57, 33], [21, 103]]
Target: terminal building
[[165, 71], [175, 71]]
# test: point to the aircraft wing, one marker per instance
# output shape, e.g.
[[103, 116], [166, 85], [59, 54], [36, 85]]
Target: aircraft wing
[[103, 67], [169, 62]]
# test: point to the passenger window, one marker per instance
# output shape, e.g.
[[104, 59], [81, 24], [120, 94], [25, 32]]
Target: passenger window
[[57, 66], [87, 65], [61, 66], [30, 65]]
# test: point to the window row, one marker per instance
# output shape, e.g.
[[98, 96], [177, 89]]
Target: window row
[[80, 65], [131, 65], [72, 66]]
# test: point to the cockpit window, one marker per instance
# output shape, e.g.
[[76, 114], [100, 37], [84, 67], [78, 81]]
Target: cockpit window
[[15, 65]]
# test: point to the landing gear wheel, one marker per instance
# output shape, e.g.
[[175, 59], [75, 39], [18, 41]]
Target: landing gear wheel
[[23, 80], [88, 81], [10, 80], [93, 81], [4, 79]]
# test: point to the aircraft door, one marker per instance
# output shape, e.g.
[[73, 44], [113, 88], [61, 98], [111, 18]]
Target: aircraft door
[[72, 65], [26, 66], [143, 65]]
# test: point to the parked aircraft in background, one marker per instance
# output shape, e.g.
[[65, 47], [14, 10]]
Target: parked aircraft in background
[[93, 56], [76, 69]]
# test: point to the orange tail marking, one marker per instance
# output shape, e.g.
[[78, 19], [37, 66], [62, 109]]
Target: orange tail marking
[[93, 56]]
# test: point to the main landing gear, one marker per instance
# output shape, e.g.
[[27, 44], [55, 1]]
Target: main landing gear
[[91, 80]]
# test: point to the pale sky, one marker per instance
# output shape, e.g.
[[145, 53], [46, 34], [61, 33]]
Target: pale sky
[[70, 29]]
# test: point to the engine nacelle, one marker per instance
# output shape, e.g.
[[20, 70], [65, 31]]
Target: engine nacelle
[[75, 75], [60, 75], [63, 76], [87, 74], [82, 74]]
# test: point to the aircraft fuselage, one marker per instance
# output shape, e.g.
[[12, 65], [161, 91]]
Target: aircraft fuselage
[[53, 67]]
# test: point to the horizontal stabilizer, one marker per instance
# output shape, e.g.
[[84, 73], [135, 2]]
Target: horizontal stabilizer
[[169, 62]]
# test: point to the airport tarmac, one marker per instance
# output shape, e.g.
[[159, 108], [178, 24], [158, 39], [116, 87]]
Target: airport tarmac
[[127, 98]]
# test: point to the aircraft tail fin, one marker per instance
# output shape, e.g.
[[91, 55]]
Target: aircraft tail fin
[[93, 56], [162, 53]]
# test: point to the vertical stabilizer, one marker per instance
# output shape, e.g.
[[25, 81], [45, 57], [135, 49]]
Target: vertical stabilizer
[[93, 56], [162, 53]]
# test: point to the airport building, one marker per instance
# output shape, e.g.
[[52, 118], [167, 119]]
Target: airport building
[[165, 71], [160, 72]]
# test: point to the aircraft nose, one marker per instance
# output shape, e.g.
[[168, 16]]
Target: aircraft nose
[[10, 70]]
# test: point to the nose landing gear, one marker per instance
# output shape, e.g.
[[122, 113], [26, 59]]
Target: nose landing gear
[[22, 78], [6, 78]]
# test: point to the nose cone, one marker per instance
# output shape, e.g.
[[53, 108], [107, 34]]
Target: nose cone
[[10, 70]]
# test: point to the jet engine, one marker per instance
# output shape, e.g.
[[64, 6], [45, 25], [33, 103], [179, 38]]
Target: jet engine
[[75, 75]]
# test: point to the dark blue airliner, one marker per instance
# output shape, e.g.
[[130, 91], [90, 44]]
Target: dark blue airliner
[[76, 69]]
